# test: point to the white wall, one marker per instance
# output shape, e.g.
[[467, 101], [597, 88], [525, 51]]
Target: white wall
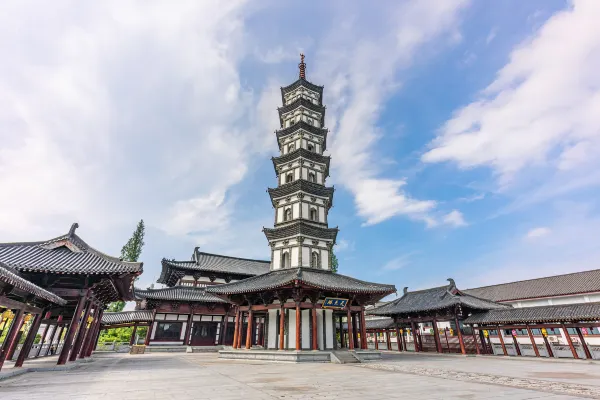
[[320, 329], [292, 329], [306, 329], [272, 334], [328, 329]]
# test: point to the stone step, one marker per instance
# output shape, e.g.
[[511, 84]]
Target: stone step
[[344, 357]]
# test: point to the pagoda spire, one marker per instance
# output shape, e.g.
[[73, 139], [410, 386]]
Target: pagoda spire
[[302, 67]]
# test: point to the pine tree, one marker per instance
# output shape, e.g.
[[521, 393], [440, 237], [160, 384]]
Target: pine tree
[[334, 263], [130, 252]]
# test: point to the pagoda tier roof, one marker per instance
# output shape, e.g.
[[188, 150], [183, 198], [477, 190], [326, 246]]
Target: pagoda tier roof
[[125, 317], [434, 299], [316, 278], [301, 185], [211, 264], [302, 102], [304, 83], [301, 228], [11, 277], [302, 153], [178, 293], [544, 314], [303, 125], [65, 254]]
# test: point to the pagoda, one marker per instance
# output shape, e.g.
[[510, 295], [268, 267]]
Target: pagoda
[[301, 300]]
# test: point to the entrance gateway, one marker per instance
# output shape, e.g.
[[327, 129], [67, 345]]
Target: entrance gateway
[[300, 303]]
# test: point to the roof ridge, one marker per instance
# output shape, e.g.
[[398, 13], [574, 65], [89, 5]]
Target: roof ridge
[[534, 279], [233, 257]]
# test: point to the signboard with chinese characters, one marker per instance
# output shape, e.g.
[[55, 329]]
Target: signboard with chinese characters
[[332, 302]]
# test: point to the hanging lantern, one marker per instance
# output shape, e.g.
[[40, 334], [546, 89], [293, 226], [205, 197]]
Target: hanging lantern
[[544, 332], [486, 333], [514, 332], [584, 331], [451, 332]]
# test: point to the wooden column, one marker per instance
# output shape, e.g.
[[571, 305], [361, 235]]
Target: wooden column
[[298, 320], [535, 349], [35, 326], [436, 334], [89, 333], [416, 340], [460, 338], [281, 328], [188, 329], [223, 337], [355, 331], [42, 340], [548, 347], [60, 334], [350, 331], [236, 328], [398, 339], [363, 329], [73, 326], [447, 341], [259, 329], [342, 333], [588, 355], [388, 340], [149, 333], [315, 342], [402, 331], [501, 341], [475, 341], [13, 331], [132, 337], [249, 330], [376, 340], [570, 341], [80, 333], [95, 332], [516, 344]]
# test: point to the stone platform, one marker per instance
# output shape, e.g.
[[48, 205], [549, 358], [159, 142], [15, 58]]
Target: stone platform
[[295, 356]]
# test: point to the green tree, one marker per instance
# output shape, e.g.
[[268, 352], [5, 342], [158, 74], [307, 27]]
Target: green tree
[[334, 263], [130, 252]]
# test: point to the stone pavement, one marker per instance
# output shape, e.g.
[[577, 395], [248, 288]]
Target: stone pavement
[[204, 376]]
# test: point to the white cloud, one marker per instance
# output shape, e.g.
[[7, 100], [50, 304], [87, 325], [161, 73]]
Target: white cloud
[[542, 112], [454, 218], [344, 245], [538, 232], [359, 85], [396, 263]]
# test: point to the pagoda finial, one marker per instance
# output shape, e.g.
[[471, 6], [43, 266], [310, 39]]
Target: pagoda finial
[[302, 67]]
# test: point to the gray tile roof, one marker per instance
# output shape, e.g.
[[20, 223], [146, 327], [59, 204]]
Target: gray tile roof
[[305, 154], [12, 277], [304, 83], [65, 254], [320, 279], [558, 285], [437, 298], [379, 323], [302, 185], [301, 101], [555, 313], [301, 228], [214, 263], [178, 293], [313, 130], [124, 317]]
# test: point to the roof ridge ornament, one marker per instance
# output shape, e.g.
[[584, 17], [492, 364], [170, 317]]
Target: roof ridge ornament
[[405, 290], [74, 226], [302, 67], [451, 290], [195, 256]]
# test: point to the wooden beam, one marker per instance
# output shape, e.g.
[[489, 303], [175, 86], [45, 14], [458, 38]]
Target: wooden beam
[[81, 333], [17, 305]]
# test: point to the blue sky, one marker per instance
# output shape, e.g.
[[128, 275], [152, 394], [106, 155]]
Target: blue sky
[[464, 135]]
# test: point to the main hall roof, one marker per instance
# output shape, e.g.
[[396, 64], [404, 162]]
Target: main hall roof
[[550, 286], [437, 298], [12, 277], [125, 317], [65, 254], [543, 314], [320, 279]]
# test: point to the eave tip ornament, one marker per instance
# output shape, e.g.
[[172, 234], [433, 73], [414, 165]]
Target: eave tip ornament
[[302, 67]]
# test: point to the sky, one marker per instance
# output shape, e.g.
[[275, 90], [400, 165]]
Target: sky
[[464, 135]]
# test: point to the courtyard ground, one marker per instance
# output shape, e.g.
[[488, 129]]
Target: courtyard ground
[[203, 376]]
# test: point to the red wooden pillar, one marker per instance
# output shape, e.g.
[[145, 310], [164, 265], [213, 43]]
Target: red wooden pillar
[[315, 342], [548, 347], [188, 329], [516, 344], [81, 332], [149, 333], [355, 330], [460, 337], [363, 329], [91, 346], [64, 353], [475, 340], [501, 341], [132, 337], [11, 341], [416, 340], [51, 340], [436, 335], [259, 328], [298, 319], [342, 334], [60, 335], [447, 341], [43, 338], [223, 337], [31, 334], [281, 328], [350, 331], [535, 349], [570, 341], [249, 330], [588, 355], [236, 327], [389, 341], [89, 333], [376, 340], [398, 339]]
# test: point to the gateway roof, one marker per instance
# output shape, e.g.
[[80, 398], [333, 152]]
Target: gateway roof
[[554, 313], [12, 277], [177, 293], [124, 317]]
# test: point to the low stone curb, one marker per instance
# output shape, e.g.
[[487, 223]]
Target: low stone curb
[[23, 370]]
